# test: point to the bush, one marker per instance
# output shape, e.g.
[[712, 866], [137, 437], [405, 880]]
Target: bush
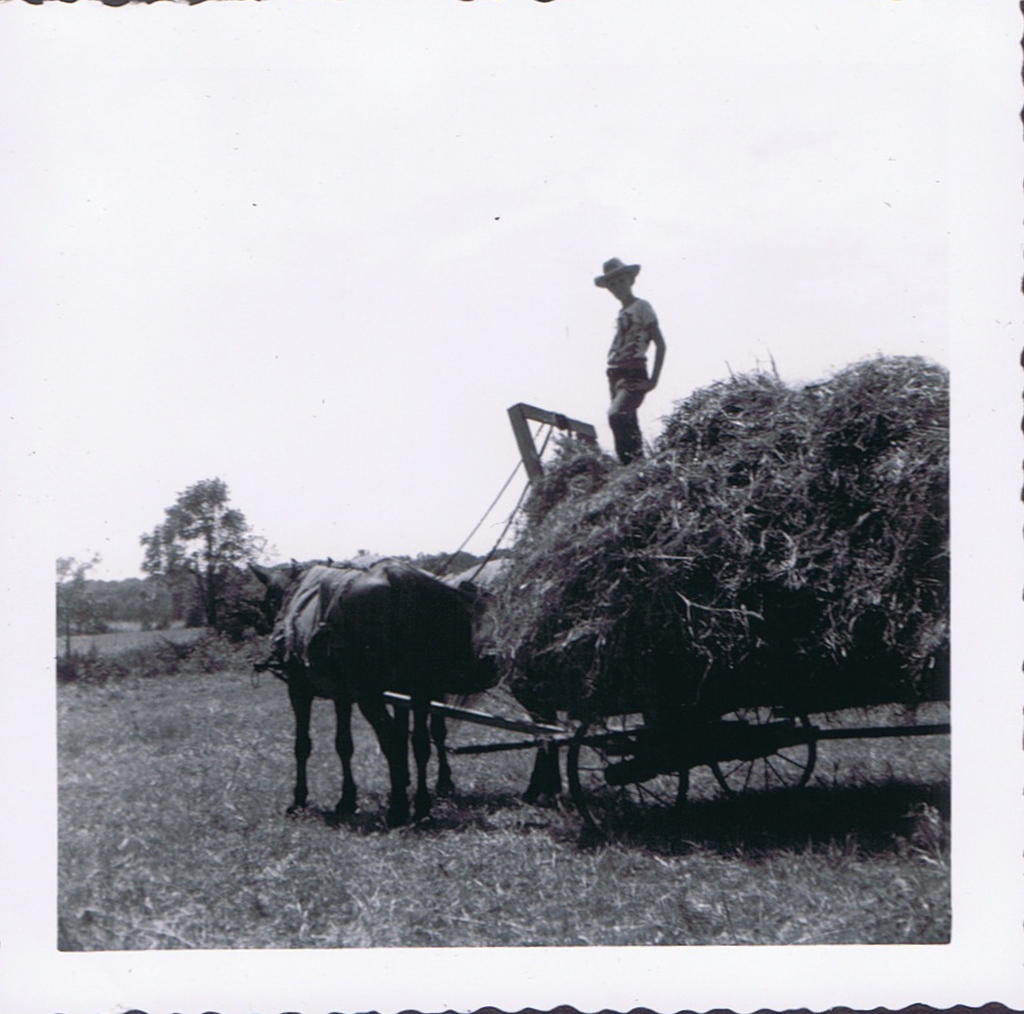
[[780, 545], [210, 653], [90, 667]]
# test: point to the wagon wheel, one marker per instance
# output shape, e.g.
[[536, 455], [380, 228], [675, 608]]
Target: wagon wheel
[[600, 744], [788, 767]]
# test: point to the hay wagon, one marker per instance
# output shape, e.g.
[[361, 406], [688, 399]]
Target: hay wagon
[[780, 558]]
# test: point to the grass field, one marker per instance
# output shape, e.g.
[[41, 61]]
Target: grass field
[[128, 639], [173, 835]]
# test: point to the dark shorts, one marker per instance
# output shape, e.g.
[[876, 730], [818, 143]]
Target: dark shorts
[[627, 386]]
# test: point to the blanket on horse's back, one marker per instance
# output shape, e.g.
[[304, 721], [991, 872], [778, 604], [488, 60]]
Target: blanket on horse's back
[[387, 612], [308, 607]]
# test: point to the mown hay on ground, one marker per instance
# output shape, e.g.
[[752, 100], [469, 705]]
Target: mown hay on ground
[[779, 545]]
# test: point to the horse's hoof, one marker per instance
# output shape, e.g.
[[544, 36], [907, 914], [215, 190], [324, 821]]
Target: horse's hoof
[[339, 816], [446, 789], [545, 800], [421, 806], [295, 810], [337, 819], [346, 807], [591, 837], [398, 817]]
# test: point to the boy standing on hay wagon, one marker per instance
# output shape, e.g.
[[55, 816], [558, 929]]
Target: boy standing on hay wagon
[[636, 328]]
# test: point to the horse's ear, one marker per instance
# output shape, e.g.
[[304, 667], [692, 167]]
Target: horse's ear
[[294, 568], [260, 572], [471, 593], [330, 562]]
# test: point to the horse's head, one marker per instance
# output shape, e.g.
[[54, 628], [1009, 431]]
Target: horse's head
[[277, 582], [478, 587], [485, 671]]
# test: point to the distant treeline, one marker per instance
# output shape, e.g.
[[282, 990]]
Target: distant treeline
[[154, 604], [160, 603]]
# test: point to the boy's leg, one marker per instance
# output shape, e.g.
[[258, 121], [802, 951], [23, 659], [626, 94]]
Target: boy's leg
[[622, 419]]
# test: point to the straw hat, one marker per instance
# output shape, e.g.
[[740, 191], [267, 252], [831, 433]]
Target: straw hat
[[614, 268]]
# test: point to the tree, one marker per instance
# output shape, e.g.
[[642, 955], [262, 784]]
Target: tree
[[74, 606], [203, 540]]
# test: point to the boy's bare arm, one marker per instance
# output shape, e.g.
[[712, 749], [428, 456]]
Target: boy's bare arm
[[659, 354]]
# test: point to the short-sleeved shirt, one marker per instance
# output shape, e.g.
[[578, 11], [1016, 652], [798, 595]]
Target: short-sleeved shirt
[[632, 333]]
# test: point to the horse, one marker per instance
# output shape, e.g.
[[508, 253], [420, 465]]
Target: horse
[[348, 632]]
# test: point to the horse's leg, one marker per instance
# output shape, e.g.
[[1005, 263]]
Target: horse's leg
[[554, 775], [534, 789], [400, 718], [683, 790], [343, 744], [301, 698], [545, 778], [421, 751], [372, 707], [439, 733]]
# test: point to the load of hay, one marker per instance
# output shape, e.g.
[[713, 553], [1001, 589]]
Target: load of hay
[[784, 546]]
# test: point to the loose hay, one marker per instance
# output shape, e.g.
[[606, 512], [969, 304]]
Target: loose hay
[[780, 545]]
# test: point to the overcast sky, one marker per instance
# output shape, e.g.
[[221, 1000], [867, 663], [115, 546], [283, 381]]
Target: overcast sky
[[319, 257]]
